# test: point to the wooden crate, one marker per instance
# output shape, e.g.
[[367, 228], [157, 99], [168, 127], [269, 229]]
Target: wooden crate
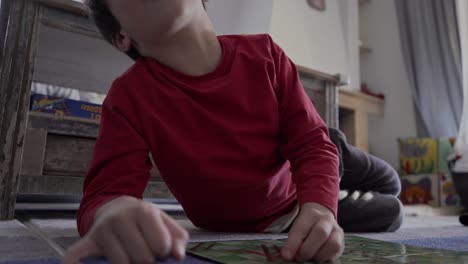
[[57, 154]]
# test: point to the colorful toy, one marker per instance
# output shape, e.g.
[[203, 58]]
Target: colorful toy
[[418, 156], [420, 189]]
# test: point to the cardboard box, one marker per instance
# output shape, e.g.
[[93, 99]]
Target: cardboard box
[[418, 156], [64, 107], [420, 189]]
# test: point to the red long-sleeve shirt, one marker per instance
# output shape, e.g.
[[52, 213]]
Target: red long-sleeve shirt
[[238, 147]]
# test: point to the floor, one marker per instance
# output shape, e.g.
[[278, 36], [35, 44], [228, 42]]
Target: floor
[[46, 234]]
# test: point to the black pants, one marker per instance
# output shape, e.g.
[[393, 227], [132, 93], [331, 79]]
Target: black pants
[[365, 173]]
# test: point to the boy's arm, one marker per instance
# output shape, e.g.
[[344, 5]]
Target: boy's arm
[[120, 164], [315, 233], [305, 140]]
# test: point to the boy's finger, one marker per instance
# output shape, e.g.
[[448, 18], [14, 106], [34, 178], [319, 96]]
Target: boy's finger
[[180, 237], [333, 248], [114, 251], [84, 248], [315, 240], [299, 231], [132, 240], [155, 232]]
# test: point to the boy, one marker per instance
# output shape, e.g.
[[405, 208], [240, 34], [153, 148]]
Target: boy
[[234, 136]]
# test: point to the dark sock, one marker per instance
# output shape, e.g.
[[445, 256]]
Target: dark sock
[[464, 218], [370, 212]]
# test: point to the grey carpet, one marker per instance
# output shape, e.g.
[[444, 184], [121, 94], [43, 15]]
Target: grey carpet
[[19, 243]]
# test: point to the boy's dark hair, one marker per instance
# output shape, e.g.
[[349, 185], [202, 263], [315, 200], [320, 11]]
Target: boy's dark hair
[[108, 25]]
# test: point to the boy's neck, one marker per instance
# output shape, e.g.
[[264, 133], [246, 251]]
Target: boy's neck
[[194, 51]]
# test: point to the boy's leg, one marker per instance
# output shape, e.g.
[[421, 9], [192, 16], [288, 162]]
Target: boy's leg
[[370, 203]]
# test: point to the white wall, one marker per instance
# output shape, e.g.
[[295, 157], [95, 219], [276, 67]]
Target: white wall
[[325, 41], [462, 5], [354, 59], [383, 69], [240, 16]]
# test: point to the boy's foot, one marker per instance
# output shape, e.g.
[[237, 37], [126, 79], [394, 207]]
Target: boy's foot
[[369, 212]]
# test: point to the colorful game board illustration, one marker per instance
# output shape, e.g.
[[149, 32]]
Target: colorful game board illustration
[[358, 250]]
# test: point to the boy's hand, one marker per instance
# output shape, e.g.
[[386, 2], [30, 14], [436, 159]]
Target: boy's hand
[[128, 230], [315, 235]]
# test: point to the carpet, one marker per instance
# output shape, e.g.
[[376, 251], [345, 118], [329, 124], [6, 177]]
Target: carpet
[[439, 232], [188, 260], [455, 243]]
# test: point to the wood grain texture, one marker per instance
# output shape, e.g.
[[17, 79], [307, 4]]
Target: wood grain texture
[[68, 156], [5, 7], [331, 102], [359, 101], [15, 82], [72, 53], [34, 152], [70, 126], [70, 23], [355, 108], [67, 5], [323, 92], [318, 75], [73, 186], [70, 144]]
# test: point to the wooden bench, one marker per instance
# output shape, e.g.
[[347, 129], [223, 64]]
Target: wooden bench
[[53, 41]]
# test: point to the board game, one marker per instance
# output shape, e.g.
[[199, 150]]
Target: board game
[[358, 250], [64, 107]]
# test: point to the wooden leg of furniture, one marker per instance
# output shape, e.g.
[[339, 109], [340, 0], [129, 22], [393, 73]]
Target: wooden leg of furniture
[[18, 35], [348, 125], [361, 130], [354, 123]]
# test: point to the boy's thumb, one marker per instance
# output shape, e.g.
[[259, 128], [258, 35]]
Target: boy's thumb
[[83, 249]]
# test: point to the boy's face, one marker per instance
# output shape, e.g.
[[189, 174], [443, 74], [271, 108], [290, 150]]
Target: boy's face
[[149, 22]]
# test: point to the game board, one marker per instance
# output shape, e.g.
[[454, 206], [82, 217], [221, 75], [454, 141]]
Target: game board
[[358, 250]]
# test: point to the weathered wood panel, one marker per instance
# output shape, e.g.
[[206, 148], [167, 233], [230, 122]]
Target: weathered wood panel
[[71, 6], [5, 7], [70, 144], [61, 18], [315, 89], [78, 61], [70, 126], [34, 152], [16, 62], [65, 155], [73, 186], [322, 88], [71, 156], [318, 99]]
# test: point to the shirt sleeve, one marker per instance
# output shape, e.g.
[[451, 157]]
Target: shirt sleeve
[[305, 139], [120, 164]]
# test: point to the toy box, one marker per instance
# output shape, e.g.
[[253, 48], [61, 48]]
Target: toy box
[[420, 189], [64, 107], [418, 156]]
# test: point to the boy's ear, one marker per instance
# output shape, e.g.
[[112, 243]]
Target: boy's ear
[[122, 41]]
